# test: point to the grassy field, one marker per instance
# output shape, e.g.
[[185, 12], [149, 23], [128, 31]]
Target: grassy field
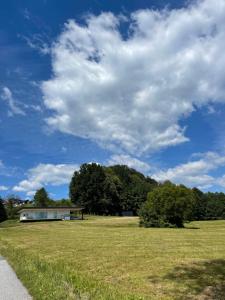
[[112, 258]]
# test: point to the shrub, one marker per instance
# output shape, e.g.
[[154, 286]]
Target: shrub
[[167, 206]]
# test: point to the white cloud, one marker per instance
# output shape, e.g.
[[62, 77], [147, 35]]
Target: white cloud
[[17, 107], [13, 105], [6, 170], [46, 174], [221, 181], [131, 162], [30, 193], [195, 173], [36, 42], [36, 108], [130, 93], [3, 188], [26, 14]]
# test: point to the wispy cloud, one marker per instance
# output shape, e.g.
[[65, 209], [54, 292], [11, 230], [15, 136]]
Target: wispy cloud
[[3, 188], [14, 106], [8, 171], [37, 42]]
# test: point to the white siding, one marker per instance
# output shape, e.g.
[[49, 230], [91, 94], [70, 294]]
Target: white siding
[[43, 215]]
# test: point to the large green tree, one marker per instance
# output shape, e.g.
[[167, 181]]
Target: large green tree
[[111, 194], [41, 198], [199, 209], [87, 188], [134, 187], [3, 215], [167, 206], [215, 206]]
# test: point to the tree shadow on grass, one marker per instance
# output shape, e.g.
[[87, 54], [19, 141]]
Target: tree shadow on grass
[[191, 227], [201, 280]]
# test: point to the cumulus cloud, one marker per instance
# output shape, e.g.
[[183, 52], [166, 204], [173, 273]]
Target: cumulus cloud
[[14, 108], [123, 159], [46, 174], [129, 91], [195, 173]]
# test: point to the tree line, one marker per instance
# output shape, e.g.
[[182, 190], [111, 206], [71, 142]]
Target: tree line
[[112, 190], [119, 190], [109, 190]]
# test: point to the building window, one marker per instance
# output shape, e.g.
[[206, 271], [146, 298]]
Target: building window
[[42, 215]]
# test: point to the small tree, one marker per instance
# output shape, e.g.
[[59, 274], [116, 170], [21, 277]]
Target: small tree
[[12, 205], [3, 215], [62, 202], [41, 198], [167, 206]]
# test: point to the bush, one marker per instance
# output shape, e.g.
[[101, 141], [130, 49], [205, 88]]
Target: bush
[[167, 206]]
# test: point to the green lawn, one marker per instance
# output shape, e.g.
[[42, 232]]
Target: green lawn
[[112, 258]]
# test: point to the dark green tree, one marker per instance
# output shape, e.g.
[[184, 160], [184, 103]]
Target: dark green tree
[[167, 206], [134, 187], [112, 189], [87, 188], [215, 206], [3, 214], [199, 209], [41, 198]]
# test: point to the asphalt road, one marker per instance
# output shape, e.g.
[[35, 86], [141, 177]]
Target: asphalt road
[[10, 286]]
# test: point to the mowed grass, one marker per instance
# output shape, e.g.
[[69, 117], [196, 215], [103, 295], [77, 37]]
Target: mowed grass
[[113, 258]]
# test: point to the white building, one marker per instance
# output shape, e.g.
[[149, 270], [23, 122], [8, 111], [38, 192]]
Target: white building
[[50, 213]]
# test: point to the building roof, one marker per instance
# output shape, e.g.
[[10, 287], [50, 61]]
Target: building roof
[[50, 208]]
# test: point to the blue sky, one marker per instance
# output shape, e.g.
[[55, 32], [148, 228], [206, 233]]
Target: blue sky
[[130, 82]]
